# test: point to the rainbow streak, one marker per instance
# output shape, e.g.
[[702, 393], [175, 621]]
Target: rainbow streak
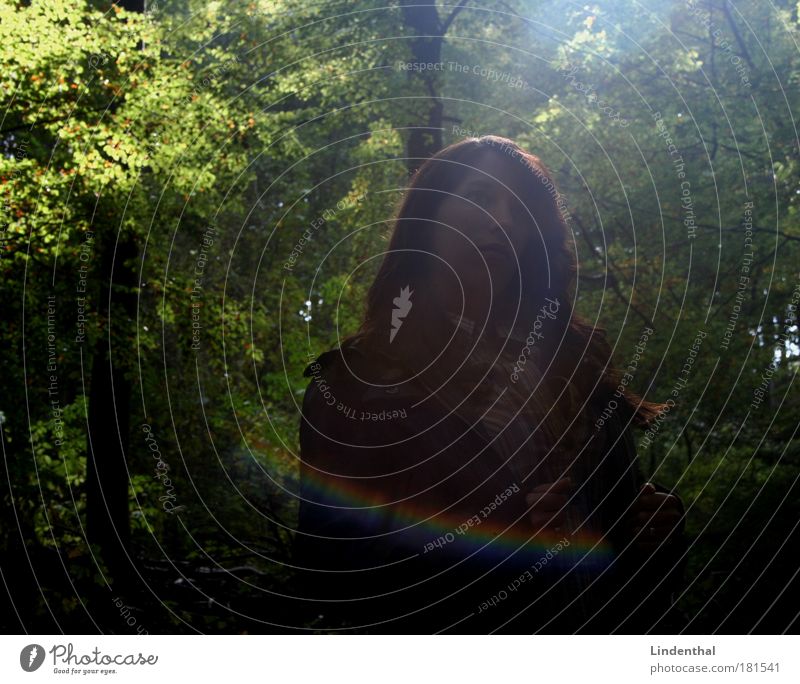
[[418, 526]]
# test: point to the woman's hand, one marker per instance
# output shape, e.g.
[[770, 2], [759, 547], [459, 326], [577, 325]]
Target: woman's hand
[[653, 517], [548, 505]]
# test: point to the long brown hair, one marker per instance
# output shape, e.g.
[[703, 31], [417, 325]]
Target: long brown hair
[[547, 270]]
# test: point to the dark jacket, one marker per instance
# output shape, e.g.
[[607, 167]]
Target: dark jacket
[[411, 522]]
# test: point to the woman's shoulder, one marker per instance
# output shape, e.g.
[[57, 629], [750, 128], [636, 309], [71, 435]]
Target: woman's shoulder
[[360, 368], [353, 386], [354, 425]]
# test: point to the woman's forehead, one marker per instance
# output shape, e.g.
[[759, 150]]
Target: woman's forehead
[[496, 168]]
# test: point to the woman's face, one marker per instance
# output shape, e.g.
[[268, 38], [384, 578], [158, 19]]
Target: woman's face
[[482, 228]]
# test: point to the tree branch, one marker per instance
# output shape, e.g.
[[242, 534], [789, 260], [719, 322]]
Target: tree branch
[[612, 280], [452, 15], [737, 35]]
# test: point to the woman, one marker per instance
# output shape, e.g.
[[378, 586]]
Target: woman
[[456, 474]]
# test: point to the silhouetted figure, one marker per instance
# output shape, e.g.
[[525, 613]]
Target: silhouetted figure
[[460, 469]]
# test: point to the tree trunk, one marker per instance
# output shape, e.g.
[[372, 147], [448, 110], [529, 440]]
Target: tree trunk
[[425, 139], [108, 518], [107, 514]]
